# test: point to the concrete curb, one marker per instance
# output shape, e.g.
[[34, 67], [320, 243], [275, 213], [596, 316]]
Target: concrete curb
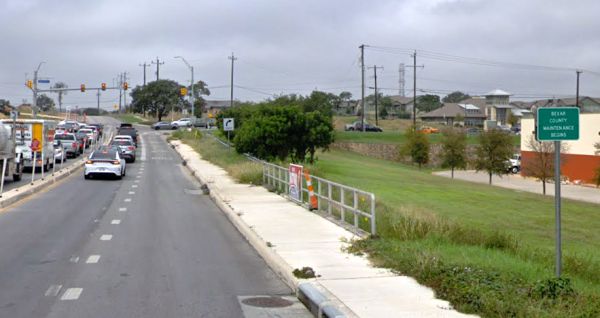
[[308, 292], [12, 196]]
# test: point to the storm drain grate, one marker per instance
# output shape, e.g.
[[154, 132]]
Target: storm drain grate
[[267, 302]]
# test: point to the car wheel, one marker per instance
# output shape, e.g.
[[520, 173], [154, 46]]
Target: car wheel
[[514, 170], [174, 127], [86, 176]]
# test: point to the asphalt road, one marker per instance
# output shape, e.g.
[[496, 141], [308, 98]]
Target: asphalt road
[[149, 245]]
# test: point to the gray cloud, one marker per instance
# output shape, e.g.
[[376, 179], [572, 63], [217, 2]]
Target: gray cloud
[[297, 46]]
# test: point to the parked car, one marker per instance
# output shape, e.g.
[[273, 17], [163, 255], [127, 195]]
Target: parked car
[[514, 164], [70, 143], [59, 151], [429, 130], [204, 122], [126, 149], [129, 131], [161, 125], [183, 122], [106, 162]]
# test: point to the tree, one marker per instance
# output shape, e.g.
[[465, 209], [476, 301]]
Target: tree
[[458, 118], [345, 96], [158, 97], [597, 176], [494, 150], [60, 93], [321, 101], [417, 146], [454, 146], [512, 120], [541, 165], [427, 103], [319, 133], [44, 103], [455, 97], [5, 107]]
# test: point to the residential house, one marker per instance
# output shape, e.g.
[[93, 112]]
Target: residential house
[[471, 115], [586, 104], [214, 107]]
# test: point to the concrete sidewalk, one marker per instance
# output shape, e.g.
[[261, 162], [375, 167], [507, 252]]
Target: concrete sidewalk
[[516, 182], [288, 237]]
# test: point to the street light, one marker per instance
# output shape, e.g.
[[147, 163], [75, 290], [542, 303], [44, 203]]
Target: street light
[[192, 86]]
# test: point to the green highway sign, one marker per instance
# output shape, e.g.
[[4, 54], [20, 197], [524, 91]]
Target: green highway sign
[[557, 123]]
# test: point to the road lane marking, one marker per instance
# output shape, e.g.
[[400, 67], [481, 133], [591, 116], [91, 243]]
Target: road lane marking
[[92, 259], [115, 221], [72, 294], [131, 192], [128, 200], [74, 259], [143, 158], [122, 209], [137, 181], [53, 290], [134, 185], [106, 237], [138, 177]]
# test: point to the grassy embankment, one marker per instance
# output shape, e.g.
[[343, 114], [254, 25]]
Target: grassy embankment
[[134, 119], [488, 250]]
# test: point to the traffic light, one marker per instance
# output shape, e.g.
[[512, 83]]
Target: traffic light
[[29, 84], [82, 88], [125, 86], [103, 85], [183, 91]]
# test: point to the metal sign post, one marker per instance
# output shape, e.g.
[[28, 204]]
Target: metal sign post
[[228, 125], [557, 124]]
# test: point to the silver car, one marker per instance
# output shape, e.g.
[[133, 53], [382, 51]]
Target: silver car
[[105, 162]]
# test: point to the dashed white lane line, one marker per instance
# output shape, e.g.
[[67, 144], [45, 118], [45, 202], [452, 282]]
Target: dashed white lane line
[[128, 200], [138, 176], [122, 209], [53, 290], [131, 192], [74, 259], [72, 294], [115, 222], [134, 185], [137, 181], [92, 259], [106, 237]]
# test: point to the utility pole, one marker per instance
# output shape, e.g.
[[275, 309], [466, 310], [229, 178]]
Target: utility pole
[[414, 67], [401, 80], [375, 67], [98, 95], [577, 89], [192, 96], [232, 58], [144, 66], [362, 85], [158, 64], [34, 89], [120, 83]]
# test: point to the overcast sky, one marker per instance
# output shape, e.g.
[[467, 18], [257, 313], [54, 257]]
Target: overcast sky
[[298, 46]]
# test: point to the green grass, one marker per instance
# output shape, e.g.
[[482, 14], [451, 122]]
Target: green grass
[[134, 119], [396, 137], [238, 166], [490, 229]]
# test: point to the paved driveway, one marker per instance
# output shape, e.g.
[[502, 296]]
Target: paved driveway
[[581, 193]]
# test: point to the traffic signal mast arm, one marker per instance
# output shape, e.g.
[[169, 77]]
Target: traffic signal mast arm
[[77, 89]]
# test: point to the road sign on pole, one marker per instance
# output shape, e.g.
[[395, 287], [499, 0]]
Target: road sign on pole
[[228, 124], [557, 124]]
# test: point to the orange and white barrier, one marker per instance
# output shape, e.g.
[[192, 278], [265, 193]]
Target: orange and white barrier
[[312, 199]]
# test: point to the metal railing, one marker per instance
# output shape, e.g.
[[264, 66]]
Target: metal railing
[[350, 205]]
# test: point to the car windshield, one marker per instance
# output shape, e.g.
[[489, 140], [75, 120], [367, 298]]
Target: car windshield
[[64, 137], [122, 142], [104, 155]]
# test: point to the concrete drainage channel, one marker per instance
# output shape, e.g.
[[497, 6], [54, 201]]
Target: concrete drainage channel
[[314, 298]]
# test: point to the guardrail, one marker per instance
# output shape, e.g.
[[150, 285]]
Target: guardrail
[[350, 205]]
